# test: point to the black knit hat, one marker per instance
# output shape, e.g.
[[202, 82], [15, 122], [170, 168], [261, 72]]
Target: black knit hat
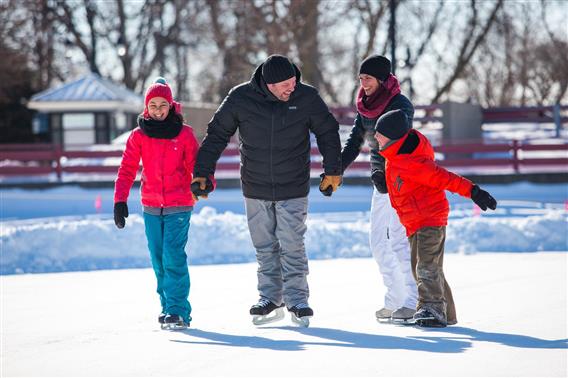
[[277, 68], [377, 66], [394, 124]]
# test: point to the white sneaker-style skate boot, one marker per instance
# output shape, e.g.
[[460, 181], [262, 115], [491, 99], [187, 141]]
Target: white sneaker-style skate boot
[[403, 315], [384, 315]]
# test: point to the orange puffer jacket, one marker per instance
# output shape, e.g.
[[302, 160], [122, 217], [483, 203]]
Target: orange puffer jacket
[[416, 184], [167, 166]]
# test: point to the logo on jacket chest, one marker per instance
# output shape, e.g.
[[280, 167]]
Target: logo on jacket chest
[[174, 143], [398, 183]]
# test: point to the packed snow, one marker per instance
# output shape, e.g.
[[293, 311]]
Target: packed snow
[[68, 241]]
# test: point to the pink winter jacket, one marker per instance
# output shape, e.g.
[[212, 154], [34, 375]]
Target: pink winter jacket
[[167, 166]]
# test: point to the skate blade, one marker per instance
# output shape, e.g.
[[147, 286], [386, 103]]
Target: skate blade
[[429, 323], [174, 326], [301, 322], [384, 320], [277, 314], [409, 321]]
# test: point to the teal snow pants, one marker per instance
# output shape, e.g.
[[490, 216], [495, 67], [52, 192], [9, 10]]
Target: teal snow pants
[[167, 236]]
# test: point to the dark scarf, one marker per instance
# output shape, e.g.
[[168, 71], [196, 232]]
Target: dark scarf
[[373, 106], [169, 128]]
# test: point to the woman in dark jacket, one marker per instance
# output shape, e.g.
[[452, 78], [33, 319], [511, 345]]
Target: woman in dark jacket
[[378, 94]]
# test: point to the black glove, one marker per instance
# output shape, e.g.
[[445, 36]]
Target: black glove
[[378, 178], [327, 191], [196, 187], [483, 199], [120, 213]]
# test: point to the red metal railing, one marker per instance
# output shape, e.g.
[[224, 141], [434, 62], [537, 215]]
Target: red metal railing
[[30, 160], [432, 113]]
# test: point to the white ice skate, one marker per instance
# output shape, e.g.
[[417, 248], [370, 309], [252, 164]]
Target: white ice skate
[[384, 315], [404, 316]]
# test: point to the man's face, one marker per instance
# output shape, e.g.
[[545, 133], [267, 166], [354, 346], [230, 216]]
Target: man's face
[[283, 89], [381, 140], [158, 108], [369, 84]]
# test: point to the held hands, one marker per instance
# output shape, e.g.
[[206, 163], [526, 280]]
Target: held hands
[[329, 184], [378, 179], [120, 213], [201, 187], [483, 199]]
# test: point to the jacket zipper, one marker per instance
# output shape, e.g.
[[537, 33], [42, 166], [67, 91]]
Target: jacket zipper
[[271, 150], [163, 183]]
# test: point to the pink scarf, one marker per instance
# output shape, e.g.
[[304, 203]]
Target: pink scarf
[[373, 106]]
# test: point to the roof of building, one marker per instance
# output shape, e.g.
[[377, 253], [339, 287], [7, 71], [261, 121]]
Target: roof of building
[[90, 87]]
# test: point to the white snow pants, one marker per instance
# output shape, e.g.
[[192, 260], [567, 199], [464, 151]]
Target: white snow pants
[[391, 250]]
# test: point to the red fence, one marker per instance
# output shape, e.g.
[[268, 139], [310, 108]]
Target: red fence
[[512, 157], [432, 113]]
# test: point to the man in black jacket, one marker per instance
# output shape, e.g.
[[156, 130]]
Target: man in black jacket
[[274, 113], [378, 94]]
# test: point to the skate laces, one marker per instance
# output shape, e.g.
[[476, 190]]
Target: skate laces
[[262, 303], [302, 305]]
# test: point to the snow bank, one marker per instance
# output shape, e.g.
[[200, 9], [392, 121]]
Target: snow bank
[[93, 242]]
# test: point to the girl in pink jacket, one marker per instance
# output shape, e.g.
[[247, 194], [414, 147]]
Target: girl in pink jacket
[[167, 148]]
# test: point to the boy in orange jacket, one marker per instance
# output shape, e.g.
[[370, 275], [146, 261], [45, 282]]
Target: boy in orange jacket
[[416, 186]]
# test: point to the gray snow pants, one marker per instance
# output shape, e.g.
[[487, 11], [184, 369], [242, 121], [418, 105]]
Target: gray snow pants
[[277, 231]]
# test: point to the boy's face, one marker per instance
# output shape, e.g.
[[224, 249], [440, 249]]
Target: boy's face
[[369, 84], [381, 140], [158, 108], [283, 90]]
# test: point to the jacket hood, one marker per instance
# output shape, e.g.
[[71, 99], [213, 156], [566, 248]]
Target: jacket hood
[[424, 147], [259, 85]]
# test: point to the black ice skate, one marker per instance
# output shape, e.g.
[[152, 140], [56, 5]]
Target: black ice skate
[[428, 318], [301, 314], [265, 312], [174, 322]]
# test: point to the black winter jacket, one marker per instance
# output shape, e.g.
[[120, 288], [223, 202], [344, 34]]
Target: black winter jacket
[[364, 128], [274, 138]]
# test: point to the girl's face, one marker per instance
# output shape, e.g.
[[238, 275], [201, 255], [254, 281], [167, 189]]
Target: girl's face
[[158, 108], [369, 84]]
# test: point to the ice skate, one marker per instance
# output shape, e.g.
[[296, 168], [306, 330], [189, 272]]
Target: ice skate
[[301, 314], [384, 315], [403, 315], [428, 318], [265, 312], [174, 322]]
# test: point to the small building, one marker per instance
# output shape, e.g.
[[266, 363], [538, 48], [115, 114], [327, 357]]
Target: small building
[[89, 110]]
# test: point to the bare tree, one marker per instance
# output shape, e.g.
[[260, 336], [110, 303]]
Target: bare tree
[[65, 13], [476, 32], [516, 65]]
